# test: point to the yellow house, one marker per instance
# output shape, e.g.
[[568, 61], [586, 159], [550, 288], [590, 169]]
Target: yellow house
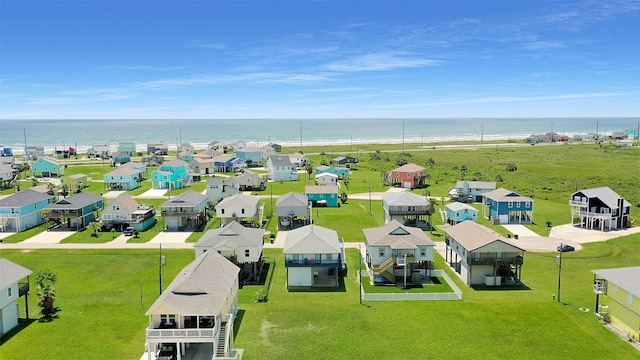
[[622, 289]]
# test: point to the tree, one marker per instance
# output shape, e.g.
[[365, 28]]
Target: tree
[[431, 209], [46, 291], [64, 190], [430, 162], [309, 169], [51, 189], [511, 167], [95, 226], [344, 197]]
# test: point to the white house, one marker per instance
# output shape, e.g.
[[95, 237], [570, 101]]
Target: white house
[[314, 256], [292, 207], [407, 208], [471, 191], [281, 168], [198, 307], [241, 208], [298, 160], [398, 252], [327, 179], [12, 286], [240, 245]]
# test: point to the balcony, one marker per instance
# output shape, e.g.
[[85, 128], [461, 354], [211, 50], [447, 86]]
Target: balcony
[[583, 204], [312, 263], [174, 335], [403, 261], [417, 211], [179, 213], [593, 215], [493, 261], [23, 288]]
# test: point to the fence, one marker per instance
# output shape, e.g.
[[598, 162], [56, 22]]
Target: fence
[[455, 295]]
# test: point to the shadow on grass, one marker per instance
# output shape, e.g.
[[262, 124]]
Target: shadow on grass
[[22, 324], [521, 286], [237, 322]]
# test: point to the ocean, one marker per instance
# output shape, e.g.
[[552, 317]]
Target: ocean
[[291, 132]]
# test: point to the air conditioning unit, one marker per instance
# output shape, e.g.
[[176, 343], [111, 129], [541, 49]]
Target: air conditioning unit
[[600, 286]]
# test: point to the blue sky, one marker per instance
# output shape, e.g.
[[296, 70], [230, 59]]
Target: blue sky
[[317, 59]]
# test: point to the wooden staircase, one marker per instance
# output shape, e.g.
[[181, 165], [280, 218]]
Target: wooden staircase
[[381, 270], [222, 340]]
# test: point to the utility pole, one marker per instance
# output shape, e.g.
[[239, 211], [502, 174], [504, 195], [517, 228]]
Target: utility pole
[[559, 271], [160, 261]]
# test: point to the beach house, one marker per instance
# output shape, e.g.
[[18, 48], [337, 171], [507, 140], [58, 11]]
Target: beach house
[[171, 175], [123, 178], [23, 210], [198, 307], [185, 212], [241, 208], [323, 195], [409, 176], [124, 211], [618, 298], [346, 161], [407, 208], [398, 253], [458, 212], [252, 155], [74, 212], [240, 245], [281, 169], [471, 191], [481, 256], [504, 206], [14, 284], [47, 166], [599, 208], [314, 257], [293, 210], [127, 147]]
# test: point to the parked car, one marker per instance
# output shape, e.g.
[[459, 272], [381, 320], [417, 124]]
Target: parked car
[[167, 352], [565, 248], [128, 231]]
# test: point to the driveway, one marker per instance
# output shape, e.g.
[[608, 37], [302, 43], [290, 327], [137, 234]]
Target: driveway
[[171, 237], [49, 237]]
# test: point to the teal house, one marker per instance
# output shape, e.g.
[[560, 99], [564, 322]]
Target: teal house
[[123, 178], [73, 212], [322, 195], [22, 210], [121, 158], [170, 175], [341, 172], [47, 166]]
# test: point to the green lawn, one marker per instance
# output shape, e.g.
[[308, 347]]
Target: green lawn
[[103, 296]]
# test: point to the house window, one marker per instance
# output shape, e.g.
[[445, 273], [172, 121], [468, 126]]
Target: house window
[[630, 298], [168, 318], [412, 208], [510, 204], [499, 255], [527, 204], [222, 211], [329, 257], [381, 252], [518, 204], [476, 256], [246, 252], [9, 292], [242, 211], [423, 251]]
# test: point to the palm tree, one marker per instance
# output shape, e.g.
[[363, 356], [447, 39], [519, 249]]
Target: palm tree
[[46, 291], [51, 189], [309, 169], [95, 226], [431, 209]]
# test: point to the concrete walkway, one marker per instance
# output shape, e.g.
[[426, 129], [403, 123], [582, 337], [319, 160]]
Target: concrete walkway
[[49, 237]]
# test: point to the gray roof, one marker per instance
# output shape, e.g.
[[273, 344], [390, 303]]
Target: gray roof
[[397, 236], [473, 236], [189, 198], [77, 201], [409, 168], [24, 197], [11, 273], [458, 206], [239, 200], [311, 239], [292, 199], [123, 171], [125, 201], [280, 160], [176, 162], [502, 194], [202, 287], [605, 194], [626, 278], [404, 198], [232, 235]]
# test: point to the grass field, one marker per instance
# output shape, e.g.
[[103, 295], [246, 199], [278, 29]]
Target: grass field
[[103, 296]]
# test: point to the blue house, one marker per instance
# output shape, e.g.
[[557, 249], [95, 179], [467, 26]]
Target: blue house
[[507, 207], [341, 172], [228, 163], [170, 175], [22, 210], [123, 178], [121, 158], [458, 212], [252, 155], [47, 166], [75, 211], [6, 151], [186, 155], [128, 147], [322, 195]]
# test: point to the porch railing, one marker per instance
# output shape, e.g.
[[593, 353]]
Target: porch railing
[[179, 334]]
